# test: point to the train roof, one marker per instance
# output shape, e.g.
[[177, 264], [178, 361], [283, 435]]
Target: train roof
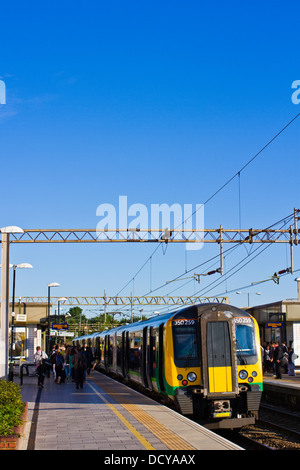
[[136, 325], [158, 319]]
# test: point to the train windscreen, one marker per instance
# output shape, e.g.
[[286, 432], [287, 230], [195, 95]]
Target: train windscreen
[[186, 351], [245, 341]]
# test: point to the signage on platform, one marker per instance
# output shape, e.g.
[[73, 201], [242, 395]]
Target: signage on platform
[[60, 326]]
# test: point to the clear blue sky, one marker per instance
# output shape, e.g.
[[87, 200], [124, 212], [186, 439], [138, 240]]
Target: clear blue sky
[[159, 101]]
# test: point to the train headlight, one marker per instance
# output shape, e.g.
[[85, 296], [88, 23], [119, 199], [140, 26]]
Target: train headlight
[[191, 376], [254, 374], [243, 374]]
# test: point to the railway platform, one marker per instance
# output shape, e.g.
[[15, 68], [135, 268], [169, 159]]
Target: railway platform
[[106, 415], [284, 391]]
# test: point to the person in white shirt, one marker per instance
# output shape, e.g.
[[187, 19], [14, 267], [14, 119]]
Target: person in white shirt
[[41, 367]]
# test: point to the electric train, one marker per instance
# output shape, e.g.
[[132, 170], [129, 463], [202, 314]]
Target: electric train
[[205, 358]]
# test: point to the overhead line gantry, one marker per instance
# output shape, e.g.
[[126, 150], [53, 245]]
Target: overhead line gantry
[[220, 236]]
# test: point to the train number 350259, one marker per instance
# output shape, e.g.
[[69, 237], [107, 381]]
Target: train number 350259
[[183, 321]]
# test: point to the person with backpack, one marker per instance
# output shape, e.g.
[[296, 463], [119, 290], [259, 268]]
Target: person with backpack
[[80, 364], [58, 360]]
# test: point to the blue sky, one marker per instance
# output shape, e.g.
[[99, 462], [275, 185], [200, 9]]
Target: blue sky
[[162, 102]]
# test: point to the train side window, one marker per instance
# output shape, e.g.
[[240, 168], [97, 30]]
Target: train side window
[[135, 351], [119, 350], [152, 353], [109, 343]]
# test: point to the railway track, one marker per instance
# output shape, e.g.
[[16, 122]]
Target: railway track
[[276, 428]]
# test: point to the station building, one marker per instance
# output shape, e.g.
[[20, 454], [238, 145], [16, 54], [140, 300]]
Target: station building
[[279, 321], [30, 326]]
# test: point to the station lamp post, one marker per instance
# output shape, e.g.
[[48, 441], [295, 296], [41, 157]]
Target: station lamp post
[[61, 299], [52, 284], [4, 312], [14, 266], [248, 294]]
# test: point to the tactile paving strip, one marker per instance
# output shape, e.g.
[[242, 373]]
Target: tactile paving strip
[[167, 437], [173, 441]]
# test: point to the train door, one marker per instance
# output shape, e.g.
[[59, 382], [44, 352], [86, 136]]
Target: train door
[[144, 358], [124, 353], [106, 351], [219, 357], [219, 366], [150, 361], [161, 358]]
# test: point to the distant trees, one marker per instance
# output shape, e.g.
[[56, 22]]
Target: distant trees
[[80, 319]]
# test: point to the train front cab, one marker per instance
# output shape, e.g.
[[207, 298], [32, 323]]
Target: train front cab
[[230, 363]]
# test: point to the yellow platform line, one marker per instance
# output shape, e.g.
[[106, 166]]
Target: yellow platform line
[[167, 437], [131, 428], [122, 418]]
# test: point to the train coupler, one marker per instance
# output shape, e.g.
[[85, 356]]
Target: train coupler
[[221, 409]]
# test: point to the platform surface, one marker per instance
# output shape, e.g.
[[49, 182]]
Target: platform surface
[[106, 415], [286, 381]]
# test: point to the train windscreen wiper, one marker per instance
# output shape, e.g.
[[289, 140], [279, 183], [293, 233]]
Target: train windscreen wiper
[[241, 355], [190, 353]]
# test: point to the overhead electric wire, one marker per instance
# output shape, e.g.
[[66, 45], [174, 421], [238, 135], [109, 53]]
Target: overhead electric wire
[[254, 251], [219, 190], [232, 248], [247, 164], [254, 284]]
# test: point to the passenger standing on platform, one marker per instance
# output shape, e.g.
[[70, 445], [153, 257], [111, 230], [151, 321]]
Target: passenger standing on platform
[[278, 355], [285, 354], [52, 360], [90, 359], [291, 363], [80, 364], [41, 367], [67, 363], [58, 360], [267, 361], [273, 364], [71, 354]]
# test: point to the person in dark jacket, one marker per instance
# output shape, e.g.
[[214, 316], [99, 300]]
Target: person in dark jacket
[[278, 355], [80, 364]]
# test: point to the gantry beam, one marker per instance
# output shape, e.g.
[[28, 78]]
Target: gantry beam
[[130, 300], [220, 235]]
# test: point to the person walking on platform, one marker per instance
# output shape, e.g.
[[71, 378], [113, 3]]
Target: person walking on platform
[[58, 360], [39, 358], [80, 364], [266, 359], [67, 362], [278, 355]]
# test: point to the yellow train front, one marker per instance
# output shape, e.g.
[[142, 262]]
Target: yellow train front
[[205, 358], [216, 366]]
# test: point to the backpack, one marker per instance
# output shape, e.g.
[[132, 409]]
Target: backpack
[[59, 360], [82, 362]]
